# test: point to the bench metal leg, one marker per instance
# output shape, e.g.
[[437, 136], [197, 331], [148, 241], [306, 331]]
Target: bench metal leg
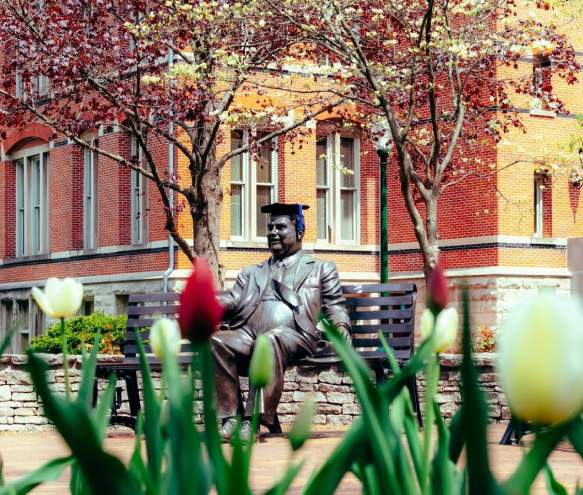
[[507, 437], [414, 393], [131, 379]]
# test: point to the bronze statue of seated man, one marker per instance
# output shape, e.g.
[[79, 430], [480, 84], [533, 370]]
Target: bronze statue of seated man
[[282, 298]]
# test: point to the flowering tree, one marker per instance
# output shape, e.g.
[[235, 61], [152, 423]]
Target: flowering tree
[[165, 71], [435, 75]]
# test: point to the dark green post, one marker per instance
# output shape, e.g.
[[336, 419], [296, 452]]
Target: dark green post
[[384, 211]]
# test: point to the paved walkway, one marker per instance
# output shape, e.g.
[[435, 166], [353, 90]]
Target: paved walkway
[[22, 452]]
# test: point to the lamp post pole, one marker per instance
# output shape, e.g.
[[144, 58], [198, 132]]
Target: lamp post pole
[[384, 212]]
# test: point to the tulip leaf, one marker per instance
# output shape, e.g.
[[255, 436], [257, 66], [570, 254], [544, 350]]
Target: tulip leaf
[[575, 435], [152, 430], [50, 471], [73, 422], [282, 486], [7, 339], [536, 458], [84, 396], [202, 359], [553, 486], [457, 436], [474, 417], [327, 478], [238, 482], [100, 414], [136, 464], [443, 470]]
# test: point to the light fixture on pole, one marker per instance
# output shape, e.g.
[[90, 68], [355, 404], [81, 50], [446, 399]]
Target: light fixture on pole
[[382, 139]]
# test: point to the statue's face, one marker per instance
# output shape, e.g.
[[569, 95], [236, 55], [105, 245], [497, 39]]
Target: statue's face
[[282, 238]]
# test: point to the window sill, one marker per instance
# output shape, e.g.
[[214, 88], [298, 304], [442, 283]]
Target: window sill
[[547, 241], [539, 112]]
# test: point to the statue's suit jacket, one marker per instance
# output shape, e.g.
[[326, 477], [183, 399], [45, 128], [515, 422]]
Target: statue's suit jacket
[[316, 290]]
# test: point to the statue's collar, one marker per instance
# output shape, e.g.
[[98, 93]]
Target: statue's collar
[[289, 261]]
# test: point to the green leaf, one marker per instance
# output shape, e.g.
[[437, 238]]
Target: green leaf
[[152, 408], [553, 486], [457, 436], [100, 414], [73, 422], [85, 394], [136, 465], [442, 472], [575, 435], [7, 339], [50, 471], [238, 481], [283, 485], [474, 418]]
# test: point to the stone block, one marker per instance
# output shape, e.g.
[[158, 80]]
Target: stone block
[[329, 408], [319, 419], [448, 409], [453, 397], [6, 411], [340, 398], [24, 396], [288, 408], [5, 392], [340, 419], [326, 387], [22, 388], [308, 387], [287, 397], [18, 377], [291, 374], [494, 410], [347, 380], [352, 409], [287, 419], [31, 420], [488, 377], [6, 420], [329, 376], [291, 386], [25, 411], [307, 375]]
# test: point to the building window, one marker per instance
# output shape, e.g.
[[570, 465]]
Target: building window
[[253, 184], [139, 199], [337, 190], [32, 171], [541, 80], [539, 186], [37, 86], [90, 208]]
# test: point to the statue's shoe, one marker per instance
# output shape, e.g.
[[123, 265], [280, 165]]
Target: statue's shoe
[[246, 434], [227, 430]]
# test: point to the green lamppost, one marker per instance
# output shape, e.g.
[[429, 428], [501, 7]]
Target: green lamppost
[[382, 140]]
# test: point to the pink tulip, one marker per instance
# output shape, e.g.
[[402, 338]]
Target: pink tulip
[[200, 312]]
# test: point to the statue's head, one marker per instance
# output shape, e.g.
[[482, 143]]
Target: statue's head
[[285, 228]]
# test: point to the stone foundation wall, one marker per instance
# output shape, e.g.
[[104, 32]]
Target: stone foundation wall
[[331, 388]]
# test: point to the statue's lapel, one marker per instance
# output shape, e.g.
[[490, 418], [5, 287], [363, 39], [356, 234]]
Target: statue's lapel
[[262, 275], [304, 268]]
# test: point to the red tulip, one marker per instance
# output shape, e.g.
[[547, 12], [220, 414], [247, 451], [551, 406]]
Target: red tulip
[[437, 291], [200, 312]]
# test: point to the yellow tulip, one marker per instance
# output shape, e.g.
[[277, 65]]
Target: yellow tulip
[[165, 335], [446, 325], [60, 299], [540, 359]]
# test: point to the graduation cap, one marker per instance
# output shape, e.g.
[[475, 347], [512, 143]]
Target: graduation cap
[[289, 210]]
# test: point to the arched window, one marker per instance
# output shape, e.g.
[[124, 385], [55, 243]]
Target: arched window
[[32, 191]]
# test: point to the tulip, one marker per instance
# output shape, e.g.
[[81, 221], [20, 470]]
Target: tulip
[[261, 369], [446, 325], [540, 359], [200, 312], [302, 427], [60, 299], [437, 291], [165, 338]]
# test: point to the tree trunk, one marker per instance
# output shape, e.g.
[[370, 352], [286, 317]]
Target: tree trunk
[[206, 222], [431, 254]]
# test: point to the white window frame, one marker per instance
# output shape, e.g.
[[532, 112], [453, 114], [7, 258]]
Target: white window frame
[[25, 237], [90, 196], [539, 185], [139, 198], [249, 192], [333, 205]]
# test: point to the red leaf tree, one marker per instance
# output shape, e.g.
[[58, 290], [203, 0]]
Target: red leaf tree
[[160, 71]]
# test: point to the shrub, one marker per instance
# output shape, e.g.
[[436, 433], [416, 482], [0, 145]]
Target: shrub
[[82, 331]]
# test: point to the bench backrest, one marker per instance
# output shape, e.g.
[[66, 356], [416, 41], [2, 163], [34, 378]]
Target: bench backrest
[[389, 308]]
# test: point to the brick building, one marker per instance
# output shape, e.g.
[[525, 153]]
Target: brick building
[[67, 212]]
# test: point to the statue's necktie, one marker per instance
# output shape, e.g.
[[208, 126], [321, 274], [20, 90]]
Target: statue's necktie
[[279, 271]]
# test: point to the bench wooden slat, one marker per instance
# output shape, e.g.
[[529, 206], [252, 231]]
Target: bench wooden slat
[[153, 297], [396, 314], [375, 342], [405, 300], [380, 354], [140, 322], [385, 327], [169, 309], [374, 288]]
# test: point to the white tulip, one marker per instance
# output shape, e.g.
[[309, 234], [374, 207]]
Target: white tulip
[[61, 298], [165, 334], [446, 326], [540, 359]]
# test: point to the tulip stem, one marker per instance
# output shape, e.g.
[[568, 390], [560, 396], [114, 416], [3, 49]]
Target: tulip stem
[[431, 378], [65, 360]]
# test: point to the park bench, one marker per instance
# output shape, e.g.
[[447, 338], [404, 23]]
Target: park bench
[[372, 308]]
